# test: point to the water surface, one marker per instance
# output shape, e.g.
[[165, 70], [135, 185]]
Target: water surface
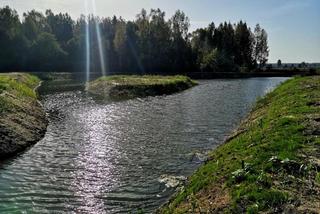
[[100, 157]]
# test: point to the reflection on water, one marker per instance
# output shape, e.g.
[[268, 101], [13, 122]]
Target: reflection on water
[[118, 157]]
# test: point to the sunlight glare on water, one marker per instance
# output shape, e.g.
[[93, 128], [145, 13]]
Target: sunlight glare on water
[[95, 174]]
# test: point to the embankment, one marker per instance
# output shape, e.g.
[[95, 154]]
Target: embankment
[[22, 119], [127, 87], [270, 164]]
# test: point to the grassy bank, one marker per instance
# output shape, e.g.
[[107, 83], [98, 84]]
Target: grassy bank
[[271, 164], [22, 119], [127, 86]]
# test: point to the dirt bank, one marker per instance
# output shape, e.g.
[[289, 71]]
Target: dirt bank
[[22, 118]]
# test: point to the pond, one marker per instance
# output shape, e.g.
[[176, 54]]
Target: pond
[[116, 157]]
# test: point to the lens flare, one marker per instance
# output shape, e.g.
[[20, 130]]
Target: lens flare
[[87, 43], [99, 38]]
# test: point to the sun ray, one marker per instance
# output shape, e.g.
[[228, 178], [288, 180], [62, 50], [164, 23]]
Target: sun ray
[[99, 38], [87, 42]]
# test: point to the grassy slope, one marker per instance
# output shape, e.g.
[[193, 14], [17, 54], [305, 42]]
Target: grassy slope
[[16, 85], [22, 119], [139, 86], [270, 164]]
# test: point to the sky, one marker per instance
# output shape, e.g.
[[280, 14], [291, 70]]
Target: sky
[[293, 26]]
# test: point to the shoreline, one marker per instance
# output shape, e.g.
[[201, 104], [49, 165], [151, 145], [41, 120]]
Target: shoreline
[[276, 143], [193, 75], [23, 118]]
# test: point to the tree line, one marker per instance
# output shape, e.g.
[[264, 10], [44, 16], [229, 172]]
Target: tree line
[[149, 44]]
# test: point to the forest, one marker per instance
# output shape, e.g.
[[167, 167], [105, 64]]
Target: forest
[[149, 44]]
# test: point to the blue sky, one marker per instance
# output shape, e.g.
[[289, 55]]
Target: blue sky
[[293, 26]]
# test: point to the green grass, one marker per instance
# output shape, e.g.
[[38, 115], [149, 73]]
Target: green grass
[[261, 168], [16, 85], [145, 79], [131, 86], [19, 84]]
